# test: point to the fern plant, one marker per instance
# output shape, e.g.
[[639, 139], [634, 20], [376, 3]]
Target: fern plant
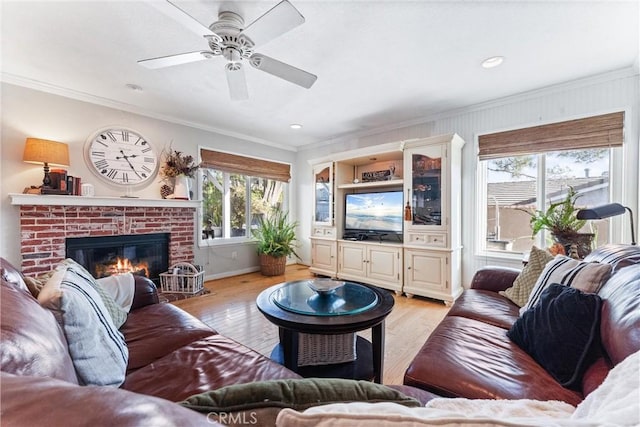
[[276, 235], [559, 218]]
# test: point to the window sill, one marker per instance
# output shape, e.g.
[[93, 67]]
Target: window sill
[[233, 241]]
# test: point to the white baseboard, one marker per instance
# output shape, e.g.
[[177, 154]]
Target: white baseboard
[[231, 273]]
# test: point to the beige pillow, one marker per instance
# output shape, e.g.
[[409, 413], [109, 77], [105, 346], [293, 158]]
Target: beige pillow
[[35, 284], [526, 280], [586, 276]]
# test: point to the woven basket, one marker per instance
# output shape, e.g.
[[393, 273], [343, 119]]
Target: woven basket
[[272, 266]]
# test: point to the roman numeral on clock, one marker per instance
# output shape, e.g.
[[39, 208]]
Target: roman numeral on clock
[[125, 177], [112, 173], [111, 137], [146, 169], [97, 153], [100, 164]]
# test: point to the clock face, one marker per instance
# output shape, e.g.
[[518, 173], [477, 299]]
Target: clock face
[[121, 156]]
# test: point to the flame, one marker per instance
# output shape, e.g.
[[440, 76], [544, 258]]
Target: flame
[[122, 265]]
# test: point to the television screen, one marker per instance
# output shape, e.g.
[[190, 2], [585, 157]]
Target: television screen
[[374, 212]]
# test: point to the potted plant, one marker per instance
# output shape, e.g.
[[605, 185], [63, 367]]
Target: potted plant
[[179, 167], [275, 236], [561, 221]]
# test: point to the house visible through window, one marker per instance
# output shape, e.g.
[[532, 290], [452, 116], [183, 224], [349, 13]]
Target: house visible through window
[[235, 196], [527, 169]]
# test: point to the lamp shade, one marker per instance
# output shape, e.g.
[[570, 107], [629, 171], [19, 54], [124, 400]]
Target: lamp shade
[[41, 151], [601, 212], [606, 211]]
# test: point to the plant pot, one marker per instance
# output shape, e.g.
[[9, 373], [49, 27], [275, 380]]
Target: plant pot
[[272, 266], [181, 188], [583, 242]]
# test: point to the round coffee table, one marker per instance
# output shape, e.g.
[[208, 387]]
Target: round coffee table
[[295, 308]]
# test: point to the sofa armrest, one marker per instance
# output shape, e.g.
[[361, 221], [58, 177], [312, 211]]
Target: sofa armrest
[[494, 278], [145, 292], [30, 401]]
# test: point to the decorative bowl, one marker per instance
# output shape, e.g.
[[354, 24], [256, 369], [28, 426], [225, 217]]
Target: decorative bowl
[[324, 286]]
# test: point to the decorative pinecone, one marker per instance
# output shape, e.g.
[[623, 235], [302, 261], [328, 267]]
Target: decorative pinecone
[[165, 191]]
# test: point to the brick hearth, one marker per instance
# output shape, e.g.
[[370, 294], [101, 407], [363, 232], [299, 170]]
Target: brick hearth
[[44, 228]]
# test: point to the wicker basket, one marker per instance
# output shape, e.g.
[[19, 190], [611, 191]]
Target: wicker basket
[[317, 349], [182, 278], [272, 266]]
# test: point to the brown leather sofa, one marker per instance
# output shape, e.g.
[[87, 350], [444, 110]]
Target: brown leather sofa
[[172, 355], [469, 354]]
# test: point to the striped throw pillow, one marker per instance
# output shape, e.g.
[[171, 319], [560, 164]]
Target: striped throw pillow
[[97, 349], [586, 276]]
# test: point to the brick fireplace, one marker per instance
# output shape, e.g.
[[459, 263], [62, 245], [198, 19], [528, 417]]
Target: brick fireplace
[[46, 223]]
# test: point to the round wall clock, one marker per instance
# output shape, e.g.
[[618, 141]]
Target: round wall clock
[[121, 156]]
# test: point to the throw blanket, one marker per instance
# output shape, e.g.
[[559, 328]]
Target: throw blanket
[[121, 287]]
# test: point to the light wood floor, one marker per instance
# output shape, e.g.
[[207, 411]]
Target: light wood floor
[[231, 310]]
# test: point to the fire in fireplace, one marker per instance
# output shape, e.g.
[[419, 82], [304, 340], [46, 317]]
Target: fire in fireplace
[[142, 254]]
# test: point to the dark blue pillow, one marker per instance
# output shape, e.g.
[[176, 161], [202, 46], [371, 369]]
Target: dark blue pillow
[[561, 332]]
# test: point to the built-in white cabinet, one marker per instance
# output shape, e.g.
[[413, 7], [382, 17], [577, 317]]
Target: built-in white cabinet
[[422, 259], [431, 273], [370, 262], [432, 240], [324, 259]]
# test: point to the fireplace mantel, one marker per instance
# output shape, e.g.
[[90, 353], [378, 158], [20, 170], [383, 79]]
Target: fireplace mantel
[[53, 200]]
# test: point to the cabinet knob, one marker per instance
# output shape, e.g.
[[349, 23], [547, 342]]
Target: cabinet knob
[[409, 267]]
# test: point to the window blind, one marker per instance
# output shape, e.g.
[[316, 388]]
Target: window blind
[[245, 165], [592, 132]]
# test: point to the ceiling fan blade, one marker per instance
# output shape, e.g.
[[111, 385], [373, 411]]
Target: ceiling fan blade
[[237, 82], [183, 18], [277, 21], [282, 70], [171, 60]]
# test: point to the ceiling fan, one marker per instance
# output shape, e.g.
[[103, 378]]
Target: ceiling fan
[[229, 38]]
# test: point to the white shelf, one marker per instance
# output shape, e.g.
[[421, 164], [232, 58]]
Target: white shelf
[[374, 184], [56, 200]]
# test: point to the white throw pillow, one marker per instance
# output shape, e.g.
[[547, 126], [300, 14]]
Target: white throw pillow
[[97, 348]]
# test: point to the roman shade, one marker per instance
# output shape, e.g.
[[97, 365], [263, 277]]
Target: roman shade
[[245, 165], [592, 132]]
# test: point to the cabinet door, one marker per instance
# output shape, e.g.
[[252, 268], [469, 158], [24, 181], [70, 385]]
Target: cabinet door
[[323, 255], [323, 194], [425, 186], [426, 271], [352, 259], [383, 263]]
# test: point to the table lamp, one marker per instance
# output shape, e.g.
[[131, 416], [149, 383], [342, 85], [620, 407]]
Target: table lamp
[[606, 211], [42, 151]]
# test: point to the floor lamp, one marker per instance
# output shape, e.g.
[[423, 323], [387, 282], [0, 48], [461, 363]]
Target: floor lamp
[[606, 211]]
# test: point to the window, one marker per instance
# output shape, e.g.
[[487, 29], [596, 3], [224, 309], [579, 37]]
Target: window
[[232, 201], [514, 185], [527, 169]]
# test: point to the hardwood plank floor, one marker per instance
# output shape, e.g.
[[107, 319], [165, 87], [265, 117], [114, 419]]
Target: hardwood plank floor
[[231, 310]]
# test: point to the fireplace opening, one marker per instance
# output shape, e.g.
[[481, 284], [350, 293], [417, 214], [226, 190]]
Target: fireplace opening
[[142, 254]]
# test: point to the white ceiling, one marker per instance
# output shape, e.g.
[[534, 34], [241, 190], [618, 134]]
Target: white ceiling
[[379, 63]]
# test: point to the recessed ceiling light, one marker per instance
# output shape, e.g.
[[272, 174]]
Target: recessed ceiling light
[[494, 61], [295, 126], [133, 87]]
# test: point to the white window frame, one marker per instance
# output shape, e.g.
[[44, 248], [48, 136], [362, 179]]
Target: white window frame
[[616, 191], [220, 241]]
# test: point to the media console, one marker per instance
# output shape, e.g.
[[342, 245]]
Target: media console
[[422, 259]]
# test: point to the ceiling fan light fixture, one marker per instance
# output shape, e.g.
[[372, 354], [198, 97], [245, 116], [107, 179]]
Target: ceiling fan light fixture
[[295, 126], [492, 62]]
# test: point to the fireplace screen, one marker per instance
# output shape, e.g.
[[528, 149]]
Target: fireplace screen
[[142, 254]]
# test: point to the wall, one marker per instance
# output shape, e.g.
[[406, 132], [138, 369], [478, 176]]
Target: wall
[[32, 113], [613, 91]]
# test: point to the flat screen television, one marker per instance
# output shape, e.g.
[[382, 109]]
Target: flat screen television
[[380, 212]]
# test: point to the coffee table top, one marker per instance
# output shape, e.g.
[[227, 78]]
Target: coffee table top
[[327, 323], [347, 299]]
